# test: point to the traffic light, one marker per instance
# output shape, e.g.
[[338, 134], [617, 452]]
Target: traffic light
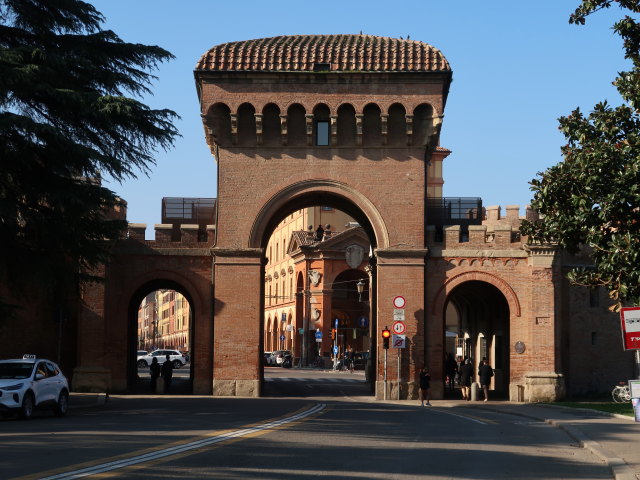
[[333, 334], [386, 334]]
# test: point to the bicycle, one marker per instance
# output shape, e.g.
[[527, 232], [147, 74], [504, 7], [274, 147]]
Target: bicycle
[[318, 362], [621, 393]]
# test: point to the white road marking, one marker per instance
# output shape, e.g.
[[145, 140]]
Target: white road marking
[[167, 452]]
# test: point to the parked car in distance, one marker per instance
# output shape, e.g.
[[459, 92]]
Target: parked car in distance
[[265, 358], [32, 383], [174, 356], [277, 357], [360, 360]]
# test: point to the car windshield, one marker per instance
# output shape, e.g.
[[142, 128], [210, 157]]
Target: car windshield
[[16, 370]]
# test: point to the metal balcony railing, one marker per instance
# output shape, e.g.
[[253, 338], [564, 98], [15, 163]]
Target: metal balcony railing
[[177, 210], [454, 211]]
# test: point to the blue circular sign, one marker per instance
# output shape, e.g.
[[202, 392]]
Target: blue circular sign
[[363, 322], [335, 350]]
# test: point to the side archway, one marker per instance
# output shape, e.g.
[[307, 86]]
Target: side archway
[[500, 284]]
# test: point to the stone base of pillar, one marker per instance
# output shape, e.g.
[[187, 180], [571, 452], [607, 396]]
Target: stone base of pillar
[[408, 390], [538, 387], [91, 379], [236, 388]]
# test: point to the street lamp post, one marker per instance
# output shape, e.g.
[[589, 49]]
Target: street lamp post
[[360, 286]]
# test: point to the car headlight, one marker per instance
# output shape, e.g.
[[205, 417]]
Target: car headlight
[[11, 388]]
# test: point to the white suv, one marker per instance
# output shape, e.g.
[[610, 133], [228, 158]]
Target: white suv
[[175, 356], [30, 383]]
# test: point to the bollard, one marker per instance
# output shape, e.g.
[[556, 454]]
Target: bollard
[[475, 390]]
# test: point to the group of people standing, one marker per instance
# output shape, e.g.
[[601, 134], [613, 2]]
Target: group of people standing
[[465, 375], [166, 371], [461, 372]]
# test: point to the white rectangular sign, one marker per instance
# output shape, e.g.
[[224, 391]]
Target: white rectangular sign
[[634, 388], [398, 314], [398, 341]]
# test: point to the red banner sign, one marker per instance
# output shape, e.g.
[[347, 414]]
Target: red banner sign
[[630, 318]]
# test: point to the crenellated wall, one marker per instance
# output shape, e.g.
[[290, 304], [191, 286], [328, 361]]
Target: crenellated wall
[[189, 234], [496, 232]]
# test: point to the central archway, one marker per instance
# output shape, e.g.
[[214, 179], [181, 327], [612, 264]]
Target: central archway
[[319, 192], [311, 279]]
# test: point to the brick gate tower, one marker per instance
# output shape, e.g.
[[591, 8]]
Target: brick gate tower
[[347, 121]]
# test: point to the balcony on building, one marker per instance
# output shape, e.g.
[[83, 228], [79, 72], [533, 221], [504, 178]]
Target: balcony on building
[[195, 211], [463, 211]]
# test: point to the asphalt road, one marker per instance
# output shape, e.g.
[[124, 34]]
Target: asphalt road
[[314, 425]]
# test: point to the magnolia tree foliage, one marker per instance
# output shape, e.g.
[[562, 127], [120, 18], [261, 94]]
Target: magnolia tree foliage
[[592, 197], [70, 113]]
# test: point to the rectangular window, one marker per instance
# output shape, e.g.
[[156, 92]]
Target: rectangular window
[[322, 133], [483, 348], [497, 348], [594, 297]]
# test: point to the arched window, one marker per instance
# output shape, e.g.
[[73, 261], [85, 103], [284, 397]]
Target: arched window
[[246, 125], [219, 120], [397, 126], [372, 125], [271, 125], [296, 126], [321, 126], [346, 125], [422, 122]]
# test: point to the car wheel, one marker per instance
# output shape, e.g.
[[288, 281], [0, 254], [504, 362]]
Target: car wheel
[[142, 364], [177, 364], [62, 406], [26, 409]]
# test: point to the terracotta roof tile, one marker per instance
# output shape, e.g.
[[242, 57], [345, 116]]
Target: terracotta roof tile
[[300, 53]]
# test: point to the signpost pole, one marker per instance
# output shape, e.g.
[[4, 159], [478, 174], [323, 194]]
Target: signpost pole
[[384, 382], [638, 364], [398, 387]]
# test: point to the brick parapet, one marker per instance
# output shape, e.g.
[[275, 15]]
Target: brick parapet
[[497, 232], [493, 216], [188, 236]]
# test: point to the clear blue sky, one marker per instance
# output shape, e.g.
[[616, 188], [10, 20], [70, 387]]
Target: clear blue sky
[[517, 66]]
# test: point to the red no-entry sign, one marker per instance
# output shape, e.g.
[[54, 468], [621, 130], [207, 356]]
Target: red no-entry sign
[[630, 319]]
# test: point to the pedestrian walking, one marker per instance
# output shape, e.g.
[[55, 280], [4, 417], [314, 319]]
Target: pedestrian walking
[[154, 371], [349, 358], [485, 372], [425, 386], [167, 374], [466, 373]]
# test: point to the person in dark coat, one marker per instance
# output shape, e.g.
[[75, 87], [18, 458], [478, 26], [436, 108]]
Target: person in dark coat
[[167, 373], [485, 372], [466, 374], [425, 386], [154, 370]]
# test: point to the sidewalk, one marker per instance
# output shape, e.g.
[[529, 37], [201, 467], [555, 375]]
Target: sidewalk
[[614, 439], [87, 400]]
